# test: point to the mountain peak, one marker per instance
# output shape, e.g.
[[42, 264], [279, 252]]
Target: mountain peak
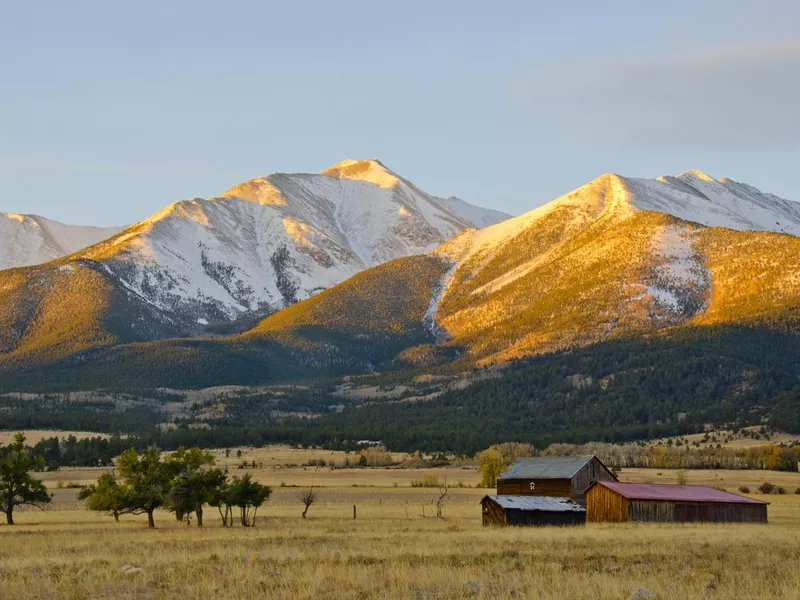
[[697, 174], [17, 217], [371, 170]]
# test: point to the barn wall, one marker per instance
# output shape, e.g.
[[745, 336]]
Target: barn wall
[[593, 471], [605, 505], [493, 513], [707, 512], [543, 517], [556, 488]]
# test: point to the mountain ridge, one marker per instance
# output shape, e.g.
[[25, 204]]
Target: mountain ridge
[[593, 265], [203, 263], [28, 239]]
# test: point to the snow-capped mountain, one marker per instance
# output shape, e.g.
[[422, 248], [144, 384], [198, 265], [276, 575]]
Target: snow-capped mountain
[[272, 241], [619, 255], [695, 196], [691, 196], [616, 258], [31, 239]]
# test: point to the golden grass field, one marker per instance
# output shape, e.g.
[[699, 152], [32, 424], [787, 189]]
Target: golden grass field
[[390, 550]]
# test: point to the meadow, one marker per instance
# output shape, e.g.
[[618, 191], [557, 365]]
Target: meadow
[[390, 550]]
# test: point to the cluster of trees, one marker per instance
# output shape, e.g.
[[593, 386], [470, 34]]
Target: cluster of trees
[[634, 389], [182, 482], [769, 456], [70, 451], [617, 391], [496, 459], [17, 486]]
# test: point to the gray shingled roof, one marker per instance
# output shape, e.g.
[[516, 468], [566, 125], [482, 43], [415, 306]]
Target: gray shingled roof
[[546, 467], [544, 503]]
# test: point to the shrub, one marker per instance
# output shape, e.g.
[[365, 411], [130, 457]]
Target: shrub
[[780, 490], [797, 491], [426, 481], [744, 489], [766, 488]]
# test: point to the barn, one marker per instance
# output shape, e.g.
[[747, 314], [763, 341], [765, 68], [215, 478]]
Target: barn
[[615, 502], [531, 510], [554, 476]]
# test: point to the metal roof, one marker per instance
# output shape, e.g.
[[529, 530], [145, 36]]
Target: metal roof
[[676, 493], [544, 503], [546, 467]]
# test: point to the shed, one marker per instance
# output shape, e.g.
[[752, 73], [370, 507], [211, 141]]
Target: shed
[[556, 476], [531, 510], [621, 502]]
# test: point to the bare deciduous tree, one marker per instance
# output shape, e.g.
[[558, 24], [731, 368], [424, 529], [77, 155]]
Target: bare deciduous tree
[[443, 489], [307, 498]]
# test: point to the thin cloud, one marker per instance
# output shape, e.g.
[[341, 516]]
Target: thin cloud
[[734, 98], [137, 170]]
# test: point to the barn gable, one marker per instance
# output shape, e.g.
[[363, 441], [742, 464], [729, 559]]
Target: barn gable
[[556, 476]]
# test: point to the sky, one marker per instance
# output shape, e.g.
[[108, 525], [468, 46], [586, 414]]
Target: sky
[[110, 111]]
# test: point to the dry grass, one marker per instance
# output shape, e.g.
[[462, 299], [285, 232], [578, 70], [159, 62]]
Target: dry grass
[[390, 551], [722, 478], [74, 554]]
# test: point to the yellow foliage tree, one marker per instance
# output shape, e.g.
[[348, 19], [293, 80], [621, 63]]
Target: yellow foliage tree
[[491, 463]]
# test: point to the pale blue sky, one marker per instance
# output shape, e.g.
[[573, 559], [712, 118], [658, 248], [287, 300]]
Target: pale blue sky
[[111, 110]]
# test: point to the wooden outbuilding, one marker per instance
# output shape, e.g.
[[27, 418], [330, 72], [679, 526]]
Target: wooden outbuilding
[[617, 502], [531, 511], [554, 476]]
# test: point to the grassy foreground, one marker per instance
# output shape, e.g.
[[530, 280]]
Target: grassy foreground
[[390, 551]]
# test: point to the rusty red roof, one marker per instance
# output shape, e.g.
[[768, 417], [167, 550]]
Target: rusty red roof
[[676, 493]]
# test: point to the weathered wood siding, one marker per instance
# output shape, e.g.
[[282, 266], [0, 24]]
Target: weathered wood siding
[[574, 488], [541, 518], [555, 488], [605, 505], [493, 513], [593, 471], [703, 512]]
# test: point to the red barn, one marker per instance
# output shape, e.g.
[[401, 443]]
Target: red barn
[[615, 502]]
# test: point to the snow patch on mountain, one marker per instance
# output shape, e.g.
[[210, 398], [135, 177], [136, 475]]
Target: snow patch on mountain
[[274, 240], [429, 318], [679, 284], [698, 197], [479, 216], [30, 239]]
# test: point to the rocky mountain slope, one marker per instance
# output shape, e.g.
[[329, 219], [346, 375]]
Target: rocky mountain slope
[[620, 256], [594, 265], [30, 239], [200, 264], [272, 241]]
